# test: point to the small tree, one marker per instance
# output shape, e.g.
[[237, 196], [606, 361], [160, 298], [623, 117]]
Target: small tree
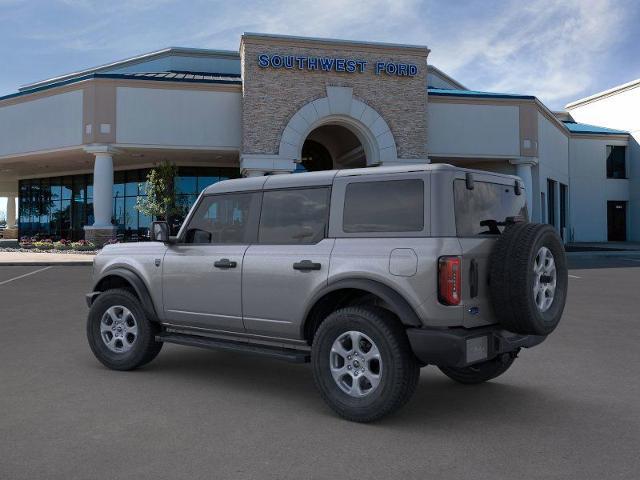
[[160, 201]]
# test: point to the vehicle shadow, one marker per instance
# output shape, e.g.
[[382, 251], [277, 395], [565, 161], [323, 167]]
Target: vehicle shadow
[[438, 402]]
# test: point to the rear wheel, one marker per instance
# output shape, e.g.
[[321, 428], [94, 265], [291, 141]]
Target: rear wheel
[[480, 372], [119, 333], [363, 364]]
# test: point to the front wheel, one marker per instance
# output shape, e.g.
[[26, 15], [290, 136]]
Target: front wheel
[[480, 372], [119, 333], [363, 364]]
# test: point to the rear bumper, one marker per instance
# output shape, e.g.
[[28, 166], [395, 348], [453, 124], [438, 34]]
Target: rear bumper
[[460, 347]]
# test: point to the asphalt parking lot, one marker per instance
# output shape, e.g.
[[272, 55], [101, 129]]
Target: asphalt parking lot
[[568, 409]]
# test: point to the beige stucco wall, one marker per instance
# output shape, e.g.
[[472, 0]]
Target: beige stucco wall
[[49, 122], [178, 117], [272, 96]]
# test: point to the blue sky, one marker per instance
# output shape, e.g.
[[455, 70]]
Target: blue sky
[[557, 50]]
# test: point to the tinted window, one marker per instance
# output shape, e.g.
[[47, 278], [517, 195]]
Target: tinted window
[[481, 211], [223, 219], [389, 206], [616, 167], [294, 216]]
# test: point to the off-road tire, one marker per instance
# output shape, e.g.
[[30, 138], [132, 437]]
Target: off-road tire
[[143, 350], [480, 372], [512, 277], [399, 375]]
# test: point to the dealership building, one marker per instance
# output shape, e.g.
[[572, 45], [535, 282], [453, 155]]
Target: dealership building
[[75, 149]]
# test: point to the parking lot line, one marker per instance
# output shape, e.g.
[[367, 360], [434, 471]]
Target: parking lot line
[[574, 276], [25, 275]]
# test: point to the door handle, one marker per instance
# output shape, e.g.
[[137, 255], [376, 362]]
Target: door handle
[[306, 265], [225, 263]]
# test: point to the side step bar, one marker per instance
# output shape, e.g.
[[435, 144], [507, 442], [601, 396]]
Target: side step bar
[[286, 354]]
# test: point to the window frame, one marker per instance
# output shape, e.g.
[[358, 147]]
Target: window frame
[[252, 222], [325, 233], [338, 196]]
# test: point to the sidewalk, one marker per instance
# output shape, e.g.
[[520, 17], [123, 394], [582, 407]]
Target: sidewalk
[[603, 246], [43, 259]]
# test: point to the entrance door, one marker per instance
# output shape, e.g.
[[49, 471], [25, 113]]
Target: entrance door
[[617, 221], [290, 262], [202, 273]]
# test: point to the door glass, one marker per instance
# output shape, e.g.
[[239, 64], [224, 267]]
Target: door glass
[[224, 219], [296, 216]]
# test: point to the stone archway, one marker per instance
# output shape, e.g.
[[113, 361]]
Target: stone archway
[[340, 108]]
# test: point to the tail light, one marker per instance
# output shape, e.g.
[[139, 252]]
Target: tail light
[[449, 280]]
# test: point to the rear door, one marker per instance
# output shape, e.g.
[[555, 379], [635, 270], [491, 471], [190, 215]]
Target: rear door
[[480, 214], [290, 262]]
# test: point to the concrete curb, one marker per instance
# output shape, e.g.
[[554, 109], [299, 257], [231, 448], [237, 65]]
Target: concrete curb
[[607, 253]]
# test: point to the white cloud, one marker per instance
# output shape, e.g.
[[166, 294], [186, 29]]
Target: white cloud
[[547, 48]]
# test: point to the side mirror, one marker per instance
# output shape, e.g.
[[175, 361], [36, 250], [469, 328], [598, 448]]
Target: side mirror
[[160, 232]]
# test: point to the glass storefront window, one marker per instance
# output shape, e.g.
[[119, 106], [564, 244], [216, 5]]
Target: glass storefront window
[[59, 207]]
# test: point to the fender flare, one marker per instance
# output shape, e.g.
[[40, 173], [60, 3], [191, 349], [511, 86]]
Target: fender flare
[[133, 279], [399, 305]]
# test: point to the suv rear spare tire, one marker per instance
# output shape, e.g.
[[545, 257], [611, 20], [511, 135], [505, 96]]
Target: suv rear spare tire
[[528, 279]]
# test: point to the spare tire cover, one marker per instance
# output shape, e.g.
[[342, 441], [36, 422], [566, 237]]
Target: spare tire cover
[[528, 279]]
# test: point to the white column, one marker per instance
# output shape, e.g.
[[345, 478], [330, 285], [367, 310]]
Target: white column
[[523, 170], [103, 189], [11, 212]]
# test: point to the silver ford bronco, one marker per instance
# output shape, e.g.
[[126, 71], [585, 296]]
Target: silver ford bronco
[[369, 274]]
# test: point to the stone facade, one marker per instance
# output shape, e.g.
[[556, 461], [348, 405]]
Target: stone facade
[[272, 96]]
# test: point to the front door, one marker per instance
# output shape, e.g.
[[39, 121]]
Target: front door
[[290, 262], [617, 221], [202, 273]]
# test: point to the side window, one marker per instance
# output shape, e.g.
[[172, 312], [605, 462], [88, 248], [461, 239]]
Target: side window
[[483, 210], [616, 167], [296, 216], [384, 206], [225, 218]]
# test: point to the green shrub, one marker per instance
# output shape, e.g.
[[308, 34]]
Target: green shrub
[[83, 246]]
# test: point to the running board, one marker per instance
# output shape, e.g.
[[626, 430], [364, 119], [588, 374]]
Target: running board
[[286, 354]]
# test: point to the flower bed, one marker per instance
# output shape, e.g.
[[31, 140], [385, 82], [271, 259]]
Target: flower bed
[[46, 245]]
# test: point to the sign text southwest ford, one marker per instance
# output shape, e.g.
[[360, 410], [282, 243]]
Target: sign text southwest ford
[[332, 64]]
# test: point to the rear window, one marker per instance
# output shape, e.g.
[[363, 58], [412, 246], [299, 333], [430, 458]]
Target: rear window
[[387, 206], [483, 210]]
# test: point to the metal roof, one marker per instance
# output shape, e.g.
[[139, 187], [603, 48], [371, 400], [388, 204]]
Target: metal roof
[[134, 60], [585, 128], [187, 77], [474, 93]]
